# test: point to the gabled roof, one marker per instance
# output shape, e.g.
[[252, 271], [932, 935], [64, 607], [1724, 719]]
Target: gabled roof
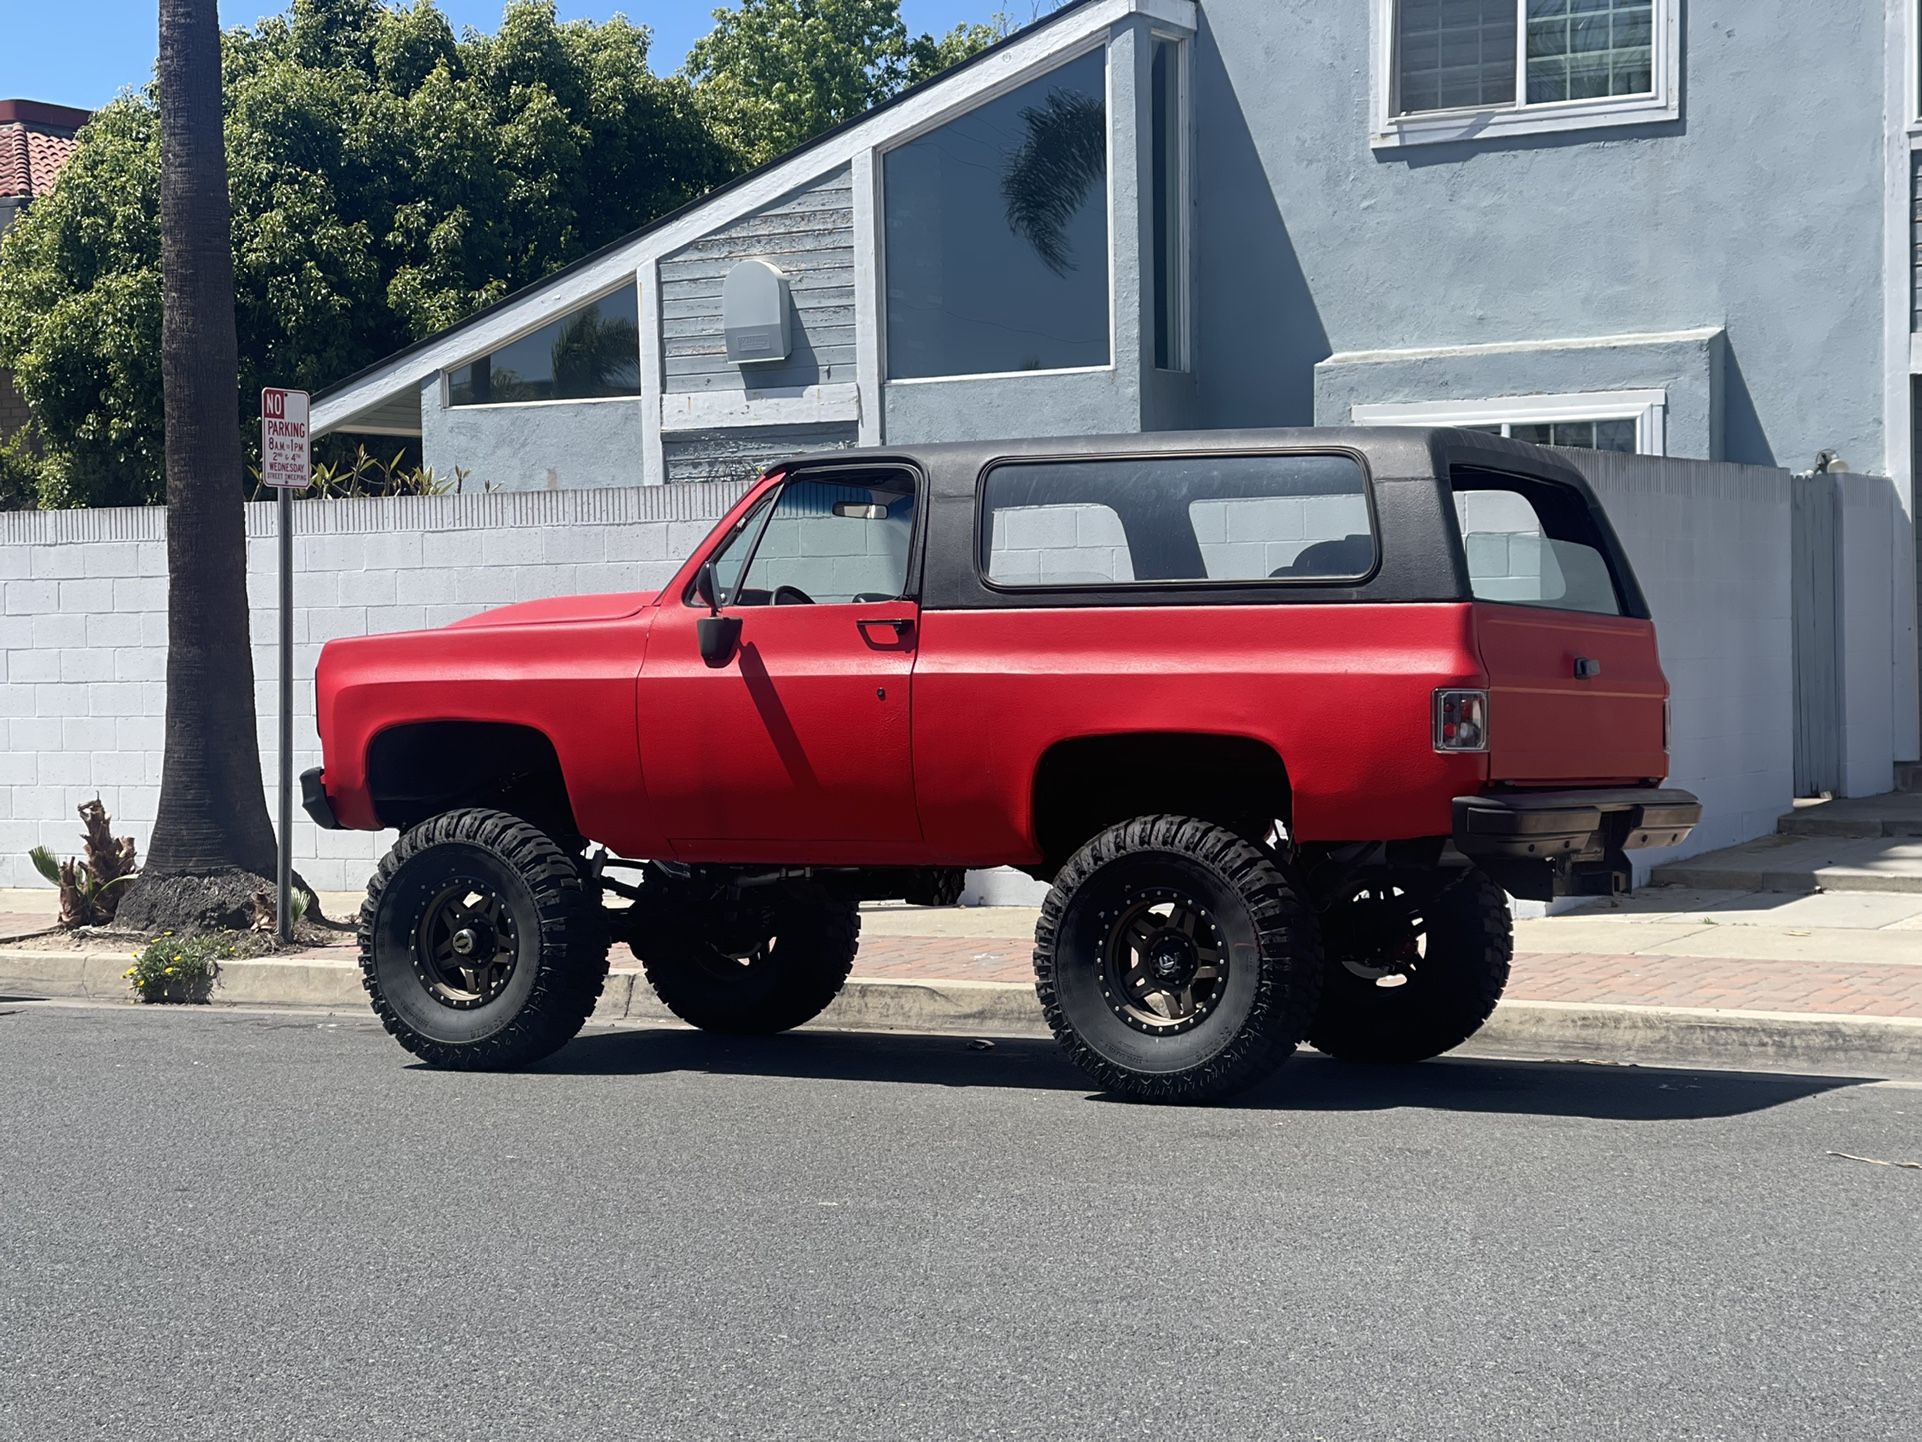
[[36, 141], [379, 390]]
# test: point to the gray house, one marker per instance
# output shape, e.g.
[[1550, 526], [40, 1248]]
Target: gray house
[[1674, 227]]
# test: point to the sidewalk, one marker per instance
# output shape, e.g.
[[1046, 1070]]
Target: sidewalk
[[1830, 954]]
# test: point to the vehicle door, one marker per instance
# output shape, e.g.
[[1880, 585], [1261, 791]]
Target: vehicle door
[[795, 744]]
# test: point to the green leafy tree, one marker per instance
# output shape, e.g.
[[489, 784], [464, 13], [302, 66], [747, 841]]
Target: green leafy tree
[[387, 179], [773, 74]]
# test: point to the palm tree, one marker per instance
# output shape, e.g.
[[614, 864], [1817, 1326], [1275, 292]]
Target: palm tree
[[212, 842]]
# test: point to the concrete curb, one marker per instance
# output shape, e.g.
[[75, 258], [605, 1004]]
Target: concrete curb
[[1878, 1047]]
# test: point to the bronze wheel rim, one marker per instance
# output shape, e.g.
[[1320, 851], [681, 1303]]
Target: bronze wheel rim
[[1164, 964]]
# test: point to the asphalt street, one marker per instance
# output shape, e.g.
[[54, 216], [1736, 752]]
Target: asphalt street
[[231, 1225]]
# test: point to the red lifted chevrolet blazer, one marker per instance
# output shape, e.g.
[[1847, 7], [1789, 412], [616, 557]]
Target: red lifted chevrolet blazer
[[1279, 715]]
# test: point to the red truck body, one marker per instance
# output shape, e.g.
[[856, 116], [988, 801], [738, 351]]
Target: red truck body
[[905, 733], [1278, 715]]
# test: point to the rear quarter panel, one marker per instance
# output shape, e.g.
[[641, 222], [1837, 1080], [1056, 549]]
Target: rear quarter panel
[[1343, 692]]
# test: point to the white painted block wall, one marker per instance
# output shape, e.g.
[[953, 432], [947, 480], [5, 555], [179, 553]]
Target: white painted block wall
[[83, 631], [1710, 545]]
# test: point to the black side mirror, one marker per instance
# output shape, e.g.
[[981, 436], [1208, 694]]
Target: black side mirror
[[719, 635], [707, 589]]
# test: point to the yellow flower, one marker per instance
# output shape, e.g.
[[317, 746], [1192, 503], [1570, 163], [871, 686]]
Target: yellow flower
[[170, 971]]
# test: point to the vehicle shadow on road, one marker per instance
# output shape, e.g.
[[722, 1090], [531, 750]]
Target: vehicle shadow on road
[[1308, 1083]]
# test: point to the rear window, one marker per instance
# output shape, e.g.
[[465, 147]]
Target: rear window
[[1533, 543], [1230, 519]]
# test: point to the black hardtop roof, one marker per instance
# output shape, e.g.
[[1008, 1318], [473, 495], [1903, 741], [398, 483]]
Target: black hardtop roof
[[1391, 452]]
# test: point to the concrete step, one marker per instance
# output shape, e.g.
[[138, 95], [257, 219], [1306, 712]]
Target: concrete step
[[1897, 814], [1804, 863], [1908, 776]]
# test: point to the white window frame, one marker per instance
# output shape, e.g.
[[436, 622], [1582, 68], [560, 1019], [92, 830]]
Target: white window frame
[[1489, 122], [1648, 409], [1104, 44]]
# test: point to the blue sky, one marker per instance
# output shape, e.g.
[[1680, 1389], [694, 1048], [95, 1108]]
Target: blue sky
[[84, 52]]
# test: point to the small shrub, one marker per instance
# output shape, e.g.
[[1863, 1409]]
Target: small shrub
[[90, 890], [369, 475], [184, 968]]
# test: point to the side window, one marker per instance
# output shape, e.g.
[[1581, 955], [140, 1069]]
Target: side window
[[732, 553], [1532, 543], [832, 542], [1229, 519]]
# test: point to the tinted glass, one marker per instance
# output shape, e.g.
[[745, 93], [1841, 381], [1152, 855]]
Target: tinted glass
[[1532, 544], [1583, 49], [832, 542], [732, 553], [997, 233], [1582, 435], [1453, 54], [1166, 106], [592, 352], [1177, 518]]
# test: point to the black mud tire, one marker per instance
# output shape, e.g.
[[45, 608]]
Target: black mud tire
[[771, 962], [557, 950], [1260, 1005], [1441, 1001]]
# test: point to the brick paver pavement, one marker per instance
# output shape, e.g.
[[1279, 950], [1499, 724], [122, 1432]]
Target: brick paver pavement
[[1837, 987], [1843, 988]]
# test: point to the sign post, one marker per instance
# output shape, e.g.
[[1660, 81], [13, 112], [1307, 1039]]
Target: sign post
[[286, 464]]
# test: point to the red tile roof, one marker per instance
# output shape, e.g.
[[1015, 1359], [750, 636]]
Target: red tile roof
[[36, 140]]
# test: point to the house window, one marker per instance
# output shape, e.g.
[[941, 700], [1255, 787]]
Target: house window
[[996, 233], [1524, 65], [587, 354], [1168, 96], [1626, 422]]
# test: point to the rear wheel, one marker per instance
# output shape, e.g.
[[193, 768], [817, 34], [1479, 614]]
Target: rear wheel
[[1175, 960], [1408, 978], [480, 944], [766, 962]]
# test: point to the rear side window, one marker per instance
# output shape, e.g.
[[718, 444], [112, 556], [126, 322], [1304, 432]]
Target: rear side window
[[1533, 543], [1229, 519]]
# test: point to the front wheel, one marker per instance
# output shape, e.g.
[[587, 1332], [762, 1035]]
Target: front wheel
[[1413, 976], [1176, 961], [480, 944]]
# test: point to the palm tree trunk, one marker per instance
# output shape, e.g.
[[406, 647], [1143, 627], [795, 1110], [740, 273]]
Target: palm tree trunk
[[212, 817]]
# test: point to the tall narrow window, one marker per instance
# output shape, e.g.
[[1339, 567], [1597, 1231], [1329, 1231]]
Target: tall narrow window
[[996, 228], [1170, 215], [1475, 54], [586, 354]]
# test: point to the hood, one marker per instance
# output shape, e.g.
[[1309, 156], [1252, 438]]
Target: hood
[[559, 610]]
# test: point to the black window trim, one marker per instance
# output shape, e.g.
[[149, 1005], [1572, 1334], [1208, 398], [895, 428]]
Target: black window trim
[[1134, 589]]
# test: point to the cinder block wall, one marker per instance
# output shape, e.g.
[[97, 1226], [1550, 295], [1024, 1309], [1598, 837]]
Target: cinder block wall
[[83, 630]]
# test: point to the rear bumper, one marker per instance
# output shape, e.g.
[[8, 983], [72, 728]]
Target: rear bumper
[[313, 800], [1572, 825]]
